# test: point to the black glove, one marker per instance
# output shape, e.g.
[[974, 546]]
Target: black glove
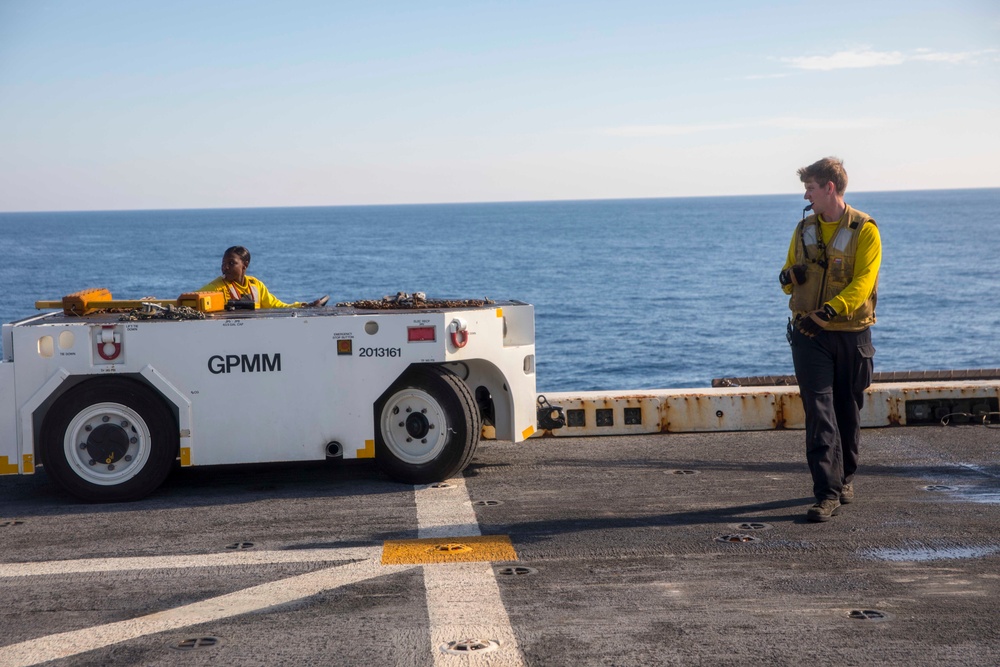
[[318, 303], [816, 321], [793, 275]]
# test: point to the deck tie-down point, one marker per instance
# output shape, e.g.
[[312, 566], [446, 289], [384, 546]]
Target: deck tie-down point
[[737, 538], [194, 643], [467, 646], [450, 548]]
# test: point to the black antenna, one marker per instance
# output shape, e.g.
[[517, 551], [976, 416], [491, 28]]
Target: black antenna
[[806, 210]]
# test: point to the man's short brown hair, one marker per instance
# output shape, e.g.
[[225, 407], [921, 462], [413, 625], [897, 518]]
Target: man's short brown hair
[[826, 170]]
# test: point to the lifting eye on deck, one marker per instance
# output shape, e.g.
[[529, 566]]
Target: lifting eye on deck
[[549, 417]]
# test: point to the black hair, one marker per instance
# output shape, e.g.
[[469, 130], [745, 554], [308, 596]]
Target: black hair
[[240, 252]]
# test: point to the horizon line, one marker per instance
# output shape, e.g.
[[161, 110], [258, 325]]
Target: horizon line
[[465, 203]]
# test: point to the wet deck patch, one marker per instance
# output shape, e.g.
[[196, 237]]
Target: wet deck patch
[[927, 553]]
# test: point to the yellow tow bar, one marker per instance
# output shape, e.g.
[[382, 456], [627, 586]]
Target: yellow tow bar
[[91, 300]]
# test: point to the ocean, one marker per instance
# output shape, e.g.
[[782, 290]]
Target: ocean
[[628, 294]]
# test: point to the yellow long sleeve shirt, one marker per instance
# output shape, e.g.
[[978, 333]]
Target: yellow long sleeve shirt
[[866, 266], [266, 299]]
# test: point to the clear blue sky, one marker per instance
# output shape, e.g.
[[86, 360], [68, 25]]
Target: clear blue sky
[[129, 104]]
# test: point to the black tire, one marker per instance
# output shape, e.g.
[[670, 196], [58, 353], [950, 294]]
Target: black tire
[[109, 439], [427, 426]]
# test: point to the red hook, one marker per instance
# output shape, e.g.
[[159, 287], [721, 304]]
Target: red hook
[[459, 333], [116, 347]]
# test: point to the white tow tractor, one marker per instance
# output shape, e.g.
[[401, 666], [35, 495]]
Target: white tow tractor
[[108, 396]]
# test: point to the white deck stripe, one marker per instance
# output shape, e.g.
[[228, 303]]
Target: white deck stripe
[[268, 595], [238, 558], [445, 512], [463, 599]]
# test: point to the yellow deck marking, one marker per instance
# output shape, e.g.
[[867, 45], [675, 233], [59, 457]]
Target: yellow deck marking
[[368, 452], [448, 550]]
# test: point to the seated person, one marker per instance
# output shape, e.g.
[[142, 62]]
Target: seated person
[[238, 286]]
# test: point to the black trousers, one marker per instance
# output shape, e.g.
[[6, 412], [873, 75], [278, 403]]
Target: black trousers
[[833, 370]]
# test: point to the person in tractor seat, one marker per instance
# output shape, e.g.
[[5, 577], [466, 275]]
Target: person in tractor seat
[[247, 291]]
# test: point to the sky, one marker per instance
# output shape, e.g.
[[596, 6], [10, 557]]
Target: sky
[[131, 104]]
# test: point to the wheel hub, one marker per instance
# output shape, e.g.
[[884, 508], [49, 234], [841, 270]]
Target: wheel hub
[[107, 443], [417, 425]]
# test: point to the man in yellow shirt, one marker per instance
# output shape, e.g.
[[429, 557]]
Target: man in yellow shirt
[[831, 275], [237, 286]]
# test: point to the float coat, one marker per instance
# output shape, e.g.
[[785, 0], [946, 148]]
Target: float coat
[[830, 269]]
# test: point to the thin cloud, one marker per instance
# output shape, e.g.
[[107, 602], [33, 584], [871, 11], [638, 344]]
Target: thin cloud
[[866, 57], [793, 123], [847, 60], [781, 123], [952, 57], [668, 130]]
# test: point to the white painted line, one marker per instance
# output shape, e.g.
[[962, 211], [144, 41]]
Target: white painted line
[[252, 599], [236, 558], [463, 602], [445, 512], [463, 599]]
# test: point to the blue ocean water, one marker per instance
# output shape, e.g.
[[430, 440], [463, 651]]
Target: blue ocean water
[[628, 294]]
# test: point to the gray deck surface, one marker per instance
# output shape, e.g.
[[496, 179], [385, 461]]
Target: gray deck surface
[[627, 566]]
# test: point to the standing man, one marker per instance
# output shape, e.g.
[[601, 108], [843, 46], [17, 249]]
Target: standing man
[[831, 274]]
